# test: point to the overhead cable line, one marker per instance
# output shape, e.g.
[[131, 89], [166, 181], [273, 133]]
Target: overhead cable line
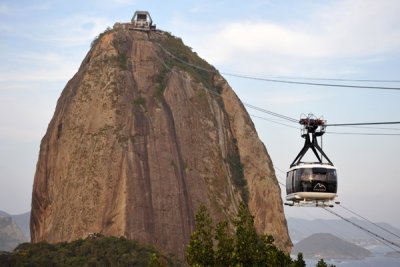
[[274, 113], [328, 79], [362, 217], [279, 169], [310, 83], [374, 128], [273, 121], [264, 111], [282, 184], [328, 132], [376, 236], [363, 123], [315, 78], [372, 134], [214, 71], [379, 237], [271, 113], [278, 80]]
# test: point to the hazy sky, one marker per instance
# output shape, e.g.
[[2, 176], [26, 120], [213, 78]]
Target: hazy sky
[[43, 43]]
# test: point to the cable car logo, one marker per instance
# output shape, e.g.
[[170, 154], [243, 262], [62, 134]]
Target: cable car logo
[[320, 187]]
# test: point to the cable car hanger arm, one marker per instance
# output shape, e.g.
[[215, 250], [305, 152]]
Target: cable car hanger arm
[[314, 147]]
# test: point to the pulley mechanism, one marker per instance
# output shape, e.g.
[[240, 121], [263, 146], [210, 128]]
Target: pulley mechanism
[[312, 128]]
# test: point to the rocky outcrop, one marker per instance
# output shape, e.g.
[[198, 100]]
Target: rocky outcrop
[[140, 139]]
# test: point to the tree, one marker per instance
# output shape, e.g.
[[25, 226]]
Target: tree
[[95, 250], [241, 247], [322, 263], [200, 250], [154, 261], [225, 245], [300, 261], [248, 246]]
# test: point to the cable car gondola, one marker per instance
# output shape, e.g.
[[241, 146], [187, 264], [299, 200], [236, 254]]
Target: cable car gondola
[[311, 183]]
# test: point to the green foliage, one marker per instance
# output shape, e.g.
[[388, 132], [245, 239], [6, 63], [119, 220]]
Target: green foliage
[[161, 82], [184, 58], [248, 243], [242, 248], [98, 37], [140, 101], [154, 261], [200, 250], [219, 88], [322, 263], [96, 250], [237, 248], [236, 168], [122, 61], [122, 43], [225, 245], [300, 261]]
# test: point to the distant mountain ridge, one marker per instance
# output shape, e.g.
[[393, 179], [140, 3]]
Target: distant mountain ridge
[[10, 234], [328, 246], [22, 220], [302, 228]]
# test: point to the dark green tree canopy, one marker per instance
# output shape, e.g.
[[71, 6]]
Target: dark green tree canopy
[[238, 247], [96, 250]]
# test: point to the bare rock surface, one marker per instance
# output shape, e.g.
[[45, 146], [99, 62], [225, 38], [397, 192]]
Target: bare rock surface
[[139, 139]]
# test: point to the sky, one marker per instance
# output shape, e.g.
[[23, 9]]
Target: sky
[[44, 42]]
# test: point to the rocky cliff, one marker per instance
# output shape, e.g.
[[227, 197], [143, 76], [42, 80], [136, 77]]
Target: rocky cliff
[[139, 139]]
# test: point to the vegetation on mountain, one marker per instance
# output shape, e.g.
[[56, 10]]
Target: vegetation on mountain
[[322, 263], [236, 167], [182, 56], [95, 250], [240, 246]]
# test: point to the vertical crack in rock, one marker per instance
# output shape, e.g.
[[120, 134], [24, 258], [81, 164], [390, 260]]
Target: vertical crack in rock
[[185, 205]]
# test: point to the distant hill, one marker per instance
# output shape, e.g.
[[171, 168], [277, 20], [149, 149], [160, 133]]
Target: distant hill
[[302, 228], [22, 220], [328, 246], [10, 234], [394, 254]]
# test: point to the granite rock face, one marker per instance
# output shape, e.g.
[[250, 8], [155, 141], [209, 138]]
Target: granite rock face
[[139, 139]]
